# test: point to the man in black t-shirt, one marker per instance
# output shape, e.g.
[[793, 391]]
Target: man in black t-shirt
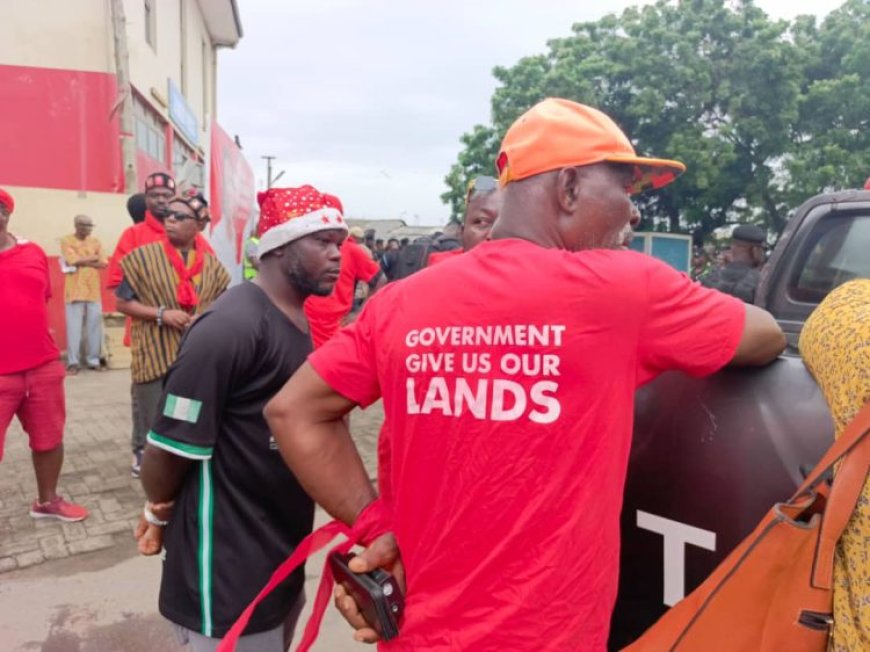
[[221, 499]]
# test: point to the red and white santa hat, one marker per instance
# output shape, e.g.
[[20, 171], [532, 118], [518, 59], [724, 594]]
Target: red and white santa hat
[[287, 214]]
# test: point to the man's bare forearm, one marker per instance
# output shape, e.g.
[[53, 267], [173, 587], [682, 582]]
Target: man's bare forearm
[[162, 474], [136, 309]]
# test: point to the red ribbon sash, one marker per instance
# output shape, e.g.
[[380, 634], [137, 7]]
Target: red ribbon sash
[[372, 522], [185, 293]]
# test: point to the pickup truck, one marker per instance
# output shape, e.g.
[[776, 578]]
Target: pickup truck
[[710, 456]]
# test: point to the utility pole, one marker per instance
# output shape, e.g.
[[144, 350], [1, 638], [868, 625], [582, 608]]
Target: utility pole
[[269, 179], [269, 160], [122, 70]]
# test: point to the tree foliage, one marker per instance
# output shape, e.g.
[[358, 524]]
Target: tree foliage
[[765, 113]]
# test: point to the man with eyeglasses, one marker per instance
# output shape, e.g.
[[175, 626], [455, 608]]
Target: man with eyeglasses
[[482, 203], [164, 286], [83, 258], [159, 190]]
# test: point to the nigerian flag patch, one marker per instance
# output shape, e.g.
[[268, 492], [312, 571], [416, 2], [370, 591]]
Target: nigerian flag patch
[[182, 409]]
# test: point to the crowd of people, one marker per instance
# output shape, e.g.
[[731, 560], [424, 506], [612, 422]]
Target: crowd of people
[[506, 356]]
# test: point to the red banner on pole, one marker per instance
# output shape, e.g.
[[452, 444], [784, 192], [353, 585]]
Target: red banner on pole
[[231, 193]]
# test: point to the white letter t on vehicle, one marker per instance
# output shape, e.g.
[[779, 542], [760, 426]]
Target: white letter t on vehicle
[[676, 536]]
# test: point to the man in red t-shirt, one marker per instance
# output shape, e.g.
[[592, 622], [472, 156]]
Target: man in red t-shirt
[[31, 374], [325, 314], [482, 202], [508, 376]]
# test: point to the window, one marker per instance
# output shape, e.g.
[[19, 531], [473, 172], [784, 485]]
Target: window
[[150, 24], [150, 130], [837, 252], [186, 167]]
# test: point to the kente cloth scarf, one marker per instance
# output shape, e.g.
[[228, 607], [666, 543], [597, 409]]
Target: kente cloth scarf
[[185, 292], [372, 522]]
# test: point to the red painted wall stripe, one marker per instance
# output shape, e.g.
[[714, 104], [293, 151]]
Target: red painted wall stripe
[[58, 131]]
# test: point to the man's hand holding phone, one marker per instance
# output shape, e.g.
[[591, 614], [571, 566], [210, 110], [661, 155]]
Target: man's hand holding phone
[[383, 553]]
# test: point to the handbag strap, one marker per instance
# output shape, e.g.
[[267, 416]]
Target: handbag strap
[[848, 484], [851, 436]]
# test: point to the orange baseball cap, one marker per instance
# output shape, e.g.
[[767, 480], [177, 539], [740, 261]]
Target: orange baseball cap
[[557, 133]]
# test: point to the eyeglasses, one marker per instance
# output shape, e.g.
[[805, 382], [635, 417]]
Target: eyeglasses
[[478, 185], [178, 216]]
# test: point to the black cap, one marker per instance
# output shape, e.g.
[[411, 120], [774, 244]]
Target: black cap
[[749, 233]]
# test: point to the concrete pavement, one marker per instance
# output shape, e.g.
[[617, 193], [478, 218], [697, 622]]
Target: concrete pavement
[[81, 587], [96, 473]]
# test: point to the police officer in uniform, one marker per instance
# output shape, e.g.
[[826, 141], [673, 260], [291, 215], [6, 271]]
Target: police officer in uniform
[[740, 273]]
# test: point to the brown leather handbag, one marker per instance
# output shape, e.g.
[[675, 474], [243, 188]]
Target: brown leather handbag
[[773, 593]]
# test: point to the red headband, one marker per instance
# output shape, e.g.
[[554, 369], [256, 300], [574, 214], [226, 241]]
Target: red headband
[[7, 201]]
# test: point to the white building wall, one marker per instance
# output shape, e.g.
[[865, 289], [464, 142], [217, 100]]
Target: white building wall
[[74, 35]]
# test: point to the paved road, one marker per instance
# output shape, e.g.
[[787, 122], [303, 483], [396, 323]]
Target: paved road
[[81, 587]]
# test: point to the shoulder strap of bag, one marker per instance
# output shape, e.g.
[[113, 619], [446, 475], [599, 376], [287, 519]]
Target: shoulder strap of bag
[[850, 438], [848, 484]]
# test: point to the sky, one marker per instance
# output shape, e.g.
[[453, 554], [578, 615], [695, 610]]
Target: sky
[[367, 99]]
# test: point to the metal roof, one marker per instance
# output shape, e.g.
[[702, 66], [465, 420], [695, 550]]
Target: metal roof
[[222, 21]]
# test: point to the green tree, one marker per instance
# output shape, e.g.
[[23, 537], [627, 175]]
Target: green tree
[[715, 84], [832, 136]]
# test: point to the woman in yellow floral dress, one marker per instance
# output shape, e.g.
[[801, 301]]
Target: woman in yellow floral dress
[[835, 345]]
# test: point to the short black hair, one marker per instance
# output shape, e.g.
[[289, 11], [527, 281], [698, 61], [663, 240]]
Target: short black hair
[[136, 207]]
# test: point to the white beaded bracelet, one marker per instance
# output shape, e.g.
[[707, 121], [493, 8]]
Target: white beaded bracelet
[[149, 516]]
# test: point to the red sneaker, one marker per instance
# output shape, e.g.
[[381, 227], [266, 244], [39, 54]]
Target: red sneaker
[[59, 509]]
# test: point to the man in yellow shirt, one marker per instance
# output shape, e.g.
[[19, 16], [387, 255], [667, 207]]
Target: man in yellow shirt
[[83, 258]]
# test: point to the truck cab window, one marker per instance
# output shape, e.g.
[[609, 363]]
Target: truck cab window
[[837, 251]]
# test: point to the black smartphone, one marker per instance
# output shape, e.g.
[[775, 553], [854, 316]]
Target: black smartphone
[[376, 593]]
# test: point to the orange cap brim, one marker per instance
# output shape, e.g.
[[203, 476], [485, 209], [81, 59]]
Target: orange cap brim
[[649, 173]]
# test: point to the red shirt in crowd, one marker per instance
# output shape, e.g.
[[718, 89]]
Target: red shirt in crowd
[[441, 256], [25, 339], [508, 376], [325, 313]]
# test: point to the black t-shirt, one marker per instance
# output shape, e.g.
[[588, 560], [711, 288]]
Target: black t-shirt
[[240, 511]]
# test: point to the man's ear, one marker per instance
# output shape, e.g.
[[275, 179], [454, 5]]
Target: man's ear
[[759, 254], [568, 189]]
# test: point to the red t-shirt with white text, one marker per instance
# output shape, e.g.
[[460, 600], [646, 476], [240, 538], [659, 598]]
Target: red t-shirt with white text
[[25, 339], [325, 313], [508, 376]]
